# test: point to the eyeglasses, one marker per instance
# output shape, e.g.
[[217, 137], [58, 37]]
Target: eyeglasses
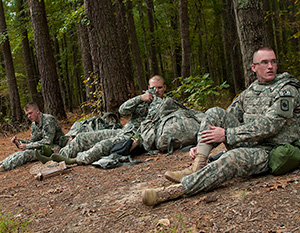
[[266, 62]]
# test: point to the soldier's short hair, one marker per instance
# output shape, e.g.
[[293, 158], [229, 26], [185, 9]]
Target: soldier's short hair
[[157, 77], [265, 48], [31, 105]]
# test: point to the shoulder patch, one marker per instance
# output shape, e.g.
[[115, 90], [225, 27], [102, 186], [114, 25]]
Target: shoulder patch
[[285, 106]]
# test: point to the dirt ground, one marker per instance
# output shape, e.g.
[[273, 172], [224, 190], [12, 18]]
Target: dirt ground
[[89, 199]]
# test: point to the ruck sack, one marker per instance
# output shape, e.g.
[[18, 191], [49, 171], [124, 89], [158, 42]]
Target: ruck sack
[[285, 158], [170, 126], [107, 121]]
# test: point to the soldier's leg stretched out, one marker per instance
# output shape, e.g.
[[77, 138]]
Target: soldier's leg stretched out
[[17, 159], [234, 163], [85, 141]]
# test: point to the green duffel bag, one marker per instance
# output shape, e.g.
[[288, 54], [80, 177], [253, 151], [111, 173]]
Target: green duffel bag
[[284, 158]]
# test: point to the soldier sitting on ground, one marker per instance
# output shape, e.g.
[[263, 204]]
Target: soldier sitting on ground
[[46, 132], [263, 116], [87, 148]]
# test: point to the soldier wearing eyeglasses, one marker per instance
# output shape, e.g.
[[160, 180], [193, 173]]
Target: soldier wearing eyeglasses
[[264, 115]]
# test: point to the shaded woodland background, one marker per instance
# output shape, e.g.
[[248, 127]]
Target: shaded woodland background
[[94, 55]]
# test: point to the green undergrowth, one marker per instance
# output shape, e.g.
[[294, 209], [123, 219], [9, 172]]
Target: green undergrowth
[[11, 223]]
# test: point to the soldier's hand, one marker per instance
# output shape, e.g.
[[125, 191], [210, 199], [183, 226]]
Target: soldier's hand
[[13, 139], [147, 97], [23, 147], [193, 152], [213, 135]]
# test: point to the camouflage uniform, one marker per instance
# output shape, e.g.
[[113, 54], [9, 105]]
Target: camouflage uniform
[[256, 121], [47, 132], [92, 146]]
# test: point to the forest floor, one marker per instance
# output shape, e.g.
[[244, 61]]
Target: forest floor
[[90, 199]]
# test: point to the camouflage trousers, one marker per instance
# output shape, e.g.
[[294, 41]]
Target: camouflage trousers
[[238, 162], [18, 159], [92, 146], [220, 118], [243, 159]]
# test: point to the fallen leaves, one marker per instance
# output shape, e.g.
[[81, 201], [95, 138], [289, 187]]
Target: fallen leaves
[[279, 183]]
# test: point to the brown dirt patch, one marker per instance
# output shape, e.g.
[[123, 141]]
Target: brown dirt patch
[[88, 199]]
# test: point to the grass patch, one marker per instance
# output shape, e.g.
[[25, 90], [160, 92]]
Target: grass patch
[[12, 223]]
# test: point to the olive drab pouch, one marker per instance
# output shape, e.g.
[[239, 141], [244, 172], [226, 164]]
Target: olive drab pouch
[[284, 158], [46, 150]]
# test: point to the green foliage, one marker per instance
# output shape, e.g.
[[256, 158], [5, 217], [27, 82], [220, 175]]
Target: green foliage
[[244, 193], [12, 223], [95, 104], [199, 92], [72, 17]]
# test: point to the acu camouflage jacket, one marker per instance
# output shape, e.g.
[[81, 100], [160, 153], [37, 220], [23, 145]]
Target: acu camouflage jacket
[[47, 132], [269, 112], [138, 111]]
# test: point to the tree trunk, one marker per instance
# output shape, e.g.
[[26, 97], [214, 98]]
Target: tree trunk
[[95, 76], [185, 40], [175, 48], [251, 32], [76, 64], [202, 19], [60, 70], [124, 46], [86, 58], [154, 64], [67, 76], [32, 81], [111, 68], [16, 111], [269, 23], [232, 50], [46, 62], [138, 63], [141, 17]]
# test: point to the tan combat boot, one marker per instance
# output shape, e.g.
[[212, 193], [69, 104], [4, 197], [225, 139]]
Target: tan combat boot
[[199, 162], [152, 197], [2, 169]]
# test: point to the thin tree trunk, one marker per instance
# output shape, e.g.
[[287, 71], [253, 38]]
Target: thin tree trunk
[[67, 76], [154, 64], [210, 71], [58, 63], [175, 49], [147, 66], [185, 40], [16, 111], [86, 59], [269, 23], [232, 50], [46, 62], [95, 75], [76, 71], [138, 63]]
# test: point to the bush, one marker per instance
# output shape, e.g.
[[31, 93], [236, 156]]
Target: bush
[[200, 93]]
